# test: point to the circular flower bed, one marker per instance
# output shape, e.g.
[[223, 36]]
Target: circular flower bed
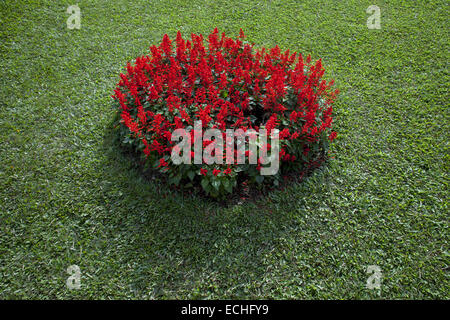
[[226, 84]]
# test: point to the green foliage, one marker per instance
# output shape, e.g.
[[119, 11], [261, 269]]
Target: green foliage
[[68, 196]]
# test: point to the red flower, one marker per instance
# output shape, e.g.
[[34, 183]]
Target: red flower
[[305, 151], [227, 84], [162, 163], [295, 135], [284, 133], [333, 135]]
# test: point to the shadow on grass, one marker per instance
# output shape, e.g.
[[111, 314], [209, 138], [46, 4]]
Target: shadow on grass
[[179, 245]]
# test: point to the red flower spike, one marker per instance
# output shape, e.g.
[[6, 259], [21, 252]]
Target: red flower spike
[[227, 85]]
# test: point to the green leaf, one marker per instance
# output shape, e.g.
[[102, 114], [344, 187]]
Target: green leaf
[[205, 184], [259, 179], [191, 175], [216, 184], [228, 186]]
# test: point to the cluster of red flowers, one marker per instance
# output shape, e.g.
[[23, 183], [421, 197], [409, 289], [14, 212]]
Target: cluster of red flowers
[[227, 84]]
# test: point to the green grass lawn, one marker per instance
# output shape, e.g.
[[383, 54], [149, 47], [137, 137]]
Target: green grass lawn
[[70, 196]]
